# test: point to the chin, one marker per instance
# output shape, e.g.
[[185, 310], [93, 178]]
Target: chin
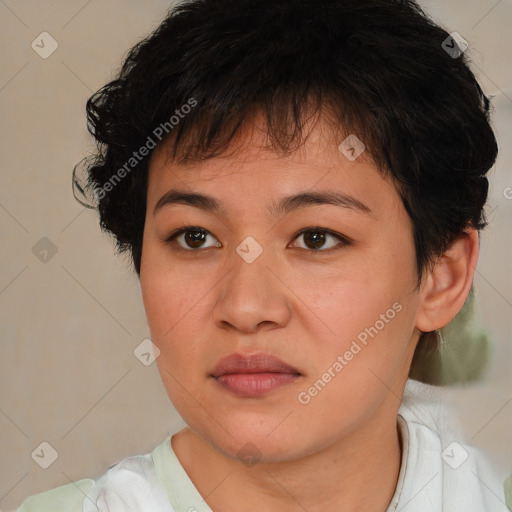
[[261, 443]]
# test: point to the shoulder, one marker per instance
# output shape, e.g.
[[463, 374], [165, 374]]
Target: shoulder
[[508, 491], [131, 484], [67, 498], [437, 450]]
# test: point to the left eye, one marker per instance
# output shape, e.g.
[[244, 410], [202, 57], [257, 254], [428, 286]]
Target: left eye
[[315, 239]]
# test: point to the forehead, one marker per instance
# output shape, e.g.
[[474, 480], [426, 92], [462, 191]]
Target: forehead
[[251, 170]]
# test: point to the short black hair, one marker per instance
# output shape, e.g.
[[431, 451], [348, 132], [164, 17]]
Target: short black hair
[[379, 69]]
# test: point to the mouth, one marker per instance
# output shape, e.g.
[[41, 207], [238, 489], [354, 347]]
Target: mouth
[[253, 375]]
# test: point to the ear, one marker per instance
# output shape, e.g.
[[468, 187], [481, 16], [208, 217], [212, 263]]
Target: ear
[[446, 287]]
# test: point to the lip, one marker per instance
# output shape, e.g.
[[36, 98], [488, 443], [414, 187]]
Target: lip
[[253, 375], [254, 363]]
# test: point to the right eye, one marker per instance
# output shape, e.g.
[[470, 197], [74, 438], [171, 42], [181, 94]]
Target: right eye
[[191, 237]]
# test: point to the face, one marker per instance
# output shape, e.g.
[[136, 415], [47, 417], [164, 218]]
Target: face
[[328, 289]]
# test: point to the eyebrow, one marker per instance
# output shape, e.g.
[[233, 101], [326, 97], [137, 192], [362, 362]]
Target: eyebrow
[[285, 205]]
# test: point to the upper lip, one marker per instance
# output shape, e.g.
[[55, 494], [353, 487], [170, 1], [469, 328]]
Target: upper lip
[[254, 363]]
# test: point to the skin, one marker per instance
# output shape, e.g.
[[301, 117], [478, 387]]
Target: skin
[[300, 304]]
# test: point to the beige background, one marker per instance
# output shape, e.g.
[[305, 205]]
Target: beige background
[[69, 326]]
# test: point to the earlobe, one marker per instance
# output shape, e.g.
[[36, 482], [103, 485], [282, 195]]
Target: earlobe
[[446, 287]]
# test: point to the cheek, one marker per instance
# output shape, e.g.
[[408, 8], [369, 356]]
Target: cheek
[[353, 298], [174, 319], [368, 313], [174, 303], [168, 294]]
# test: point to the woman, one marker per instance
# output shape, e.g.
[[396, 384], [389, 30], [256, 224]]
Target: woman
[[300, 185]]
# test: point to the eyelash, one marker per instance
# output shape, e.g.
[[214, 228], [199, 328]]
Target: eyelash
[[171, 240]]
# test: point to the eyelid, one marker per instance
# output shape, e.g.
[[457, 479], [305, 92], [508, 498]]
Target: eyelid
[[345, 239]]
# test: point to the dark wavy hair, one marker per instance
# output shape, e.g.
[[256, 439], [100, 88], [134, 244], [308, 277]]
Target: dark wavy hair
[[379, 68]]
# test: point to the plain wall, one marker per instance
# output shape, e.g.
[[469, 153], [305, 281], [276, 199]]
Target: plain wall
[[69, 326]]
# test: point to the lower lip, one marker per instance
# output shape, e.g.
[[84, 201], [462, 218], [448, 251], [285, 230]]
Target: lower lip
[[255, 384]]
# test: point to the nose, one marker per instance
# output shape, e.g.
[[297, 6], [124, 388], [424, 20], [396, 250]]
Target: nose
[[252, 297]]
